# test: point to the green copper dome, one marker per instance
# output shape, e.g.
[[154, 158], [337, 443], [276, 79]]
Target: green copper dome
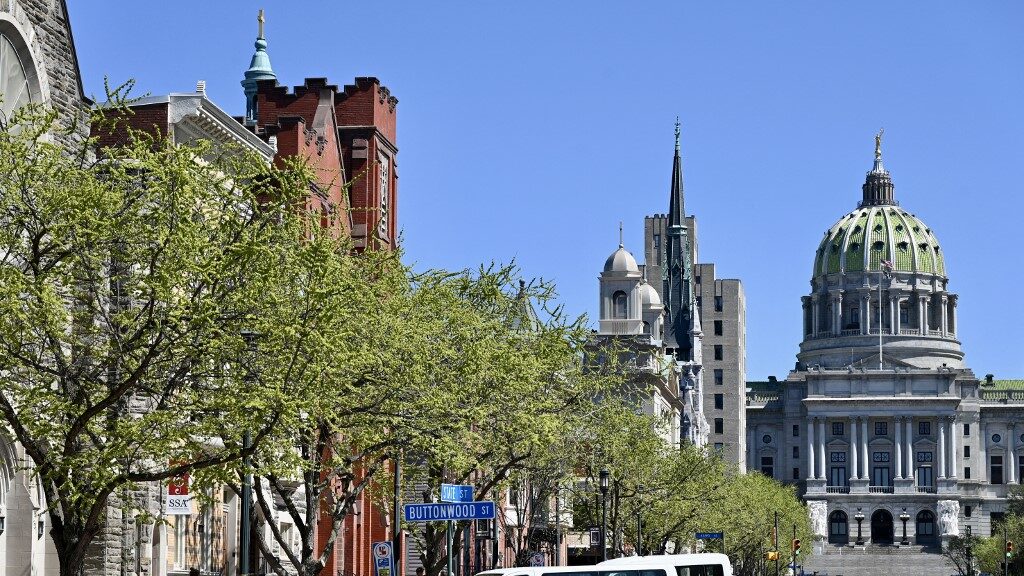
[[863, 238]]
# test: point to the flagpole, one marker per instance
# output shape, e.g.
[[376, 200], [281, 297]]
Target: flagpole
[[880, 315]]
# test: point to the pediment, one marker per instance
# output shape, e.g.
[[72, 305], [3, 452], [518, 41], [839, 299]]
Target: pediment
[[870, 362]]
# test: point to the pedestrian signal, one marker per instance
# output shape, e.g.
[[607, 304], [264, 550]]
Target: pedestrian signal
[[773, 555], [796, 547]]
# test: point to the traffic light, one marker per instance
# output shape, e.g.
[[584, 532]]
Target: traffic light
[[796, 547], [1009, 548]]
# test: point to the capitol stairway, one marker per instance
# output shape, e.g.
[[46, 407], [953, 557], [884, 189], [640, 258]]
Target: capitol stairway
[[872, 560]]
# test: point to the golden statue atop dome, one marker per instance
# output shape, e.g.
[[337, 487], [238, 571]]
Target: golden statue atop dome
[[878, 143]]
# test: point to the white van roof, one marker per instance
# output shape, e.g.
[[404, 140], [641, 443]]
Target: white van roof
[[676, 559]]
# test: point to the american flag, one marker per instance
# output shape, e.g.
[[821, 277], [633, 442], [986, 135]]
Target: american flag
[[887, 268]]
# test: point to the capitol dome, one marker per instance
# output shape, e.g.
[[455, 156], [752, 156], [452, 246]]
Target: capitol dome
[[879, 289], [865, 237]]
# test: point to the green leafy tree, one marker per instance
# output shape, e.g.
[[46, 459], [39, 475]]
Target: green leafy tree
[[128, 281], [962, 553], [746, 513]]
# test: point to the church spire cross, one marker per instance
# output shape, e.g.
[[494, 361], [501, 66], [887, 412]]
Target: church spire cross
[[677, 133], [260, 19], [621, 245]]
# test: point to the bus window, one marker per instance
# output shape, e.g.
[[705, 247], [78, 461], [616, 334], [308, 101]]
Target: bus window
[[705, 570]]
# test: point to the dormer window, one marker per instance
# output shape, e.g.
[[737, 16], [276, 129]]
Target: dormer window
[[878, 228], [878, 245], [855, 246], [903, 246]]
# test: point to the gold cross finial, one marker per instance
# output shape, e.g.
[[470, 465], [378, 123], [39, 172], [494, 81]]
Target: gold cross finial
[[878, 143], [261, 20]]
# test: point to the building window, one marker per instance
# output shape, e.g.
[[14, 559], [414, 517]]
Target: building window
[[967, 429], [924, 456], [719, 448], [881, 428], [837, 429], [697, 279], [385, 193], [837, 457], [178, 555], [718, 327], [718, 303], [967, 511], [767, 439], [854, 319], [719, 425], [796, 452], [996, 438], [719, 376], [967, 451], [719, 401], [657, 246], [619, 305], [967, 474], [996, 470], [718, 352], [768, 466], [698, 301], [904, 314], [796, 430], [796, 473], [924, 428]]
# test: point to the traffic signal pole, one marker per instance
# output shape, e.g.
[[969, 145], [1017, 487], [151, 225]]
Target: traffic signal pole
[[775, 536]]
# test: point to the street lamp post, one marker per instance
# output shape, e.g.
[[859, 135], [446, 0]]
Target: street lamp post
[[639, 525], [859, 516], [604, 512], [903, 518]]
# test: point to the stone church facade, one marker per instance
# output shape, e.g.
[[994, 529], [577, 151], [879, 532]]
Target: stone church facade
[[890, 437]]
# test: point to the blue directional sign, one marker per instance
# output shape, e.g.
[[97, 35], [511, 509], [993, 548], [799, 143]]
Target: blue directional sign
[[482, 510], [456, 493], [708, 535]]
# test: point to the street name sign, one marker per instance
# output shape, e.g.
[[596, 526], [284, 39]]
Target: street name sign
[[708, 535], [483, 510], [456, 493]]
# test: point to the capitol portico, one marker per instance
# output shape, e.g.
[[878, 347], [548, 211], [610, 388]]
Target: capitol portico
[[881, 424]]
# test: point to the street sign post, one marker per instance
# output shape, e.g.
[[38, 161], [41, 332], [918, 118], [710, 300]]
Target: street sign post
[[383, 559], [709, 535], [456, 493], [482, 510]]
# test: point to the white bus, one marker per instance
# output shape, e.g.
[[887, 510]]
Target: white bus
[[704, 564], [663, 565]]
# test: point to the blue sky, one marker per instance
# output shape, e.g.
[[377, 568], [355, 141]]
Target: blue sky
[[529, 129]]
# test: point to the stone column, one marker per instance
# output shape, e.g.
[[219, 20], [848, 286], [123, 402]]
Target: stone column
[[815, 313], [945, 310], [909, 449], [865, 464], [898, 446], [821, 447], [865, 314], [854, 468], [954, 460], [837, 314], [956, 320], [922, 314], [1011, 453], [893, 307], [810, 448], [942, 448]]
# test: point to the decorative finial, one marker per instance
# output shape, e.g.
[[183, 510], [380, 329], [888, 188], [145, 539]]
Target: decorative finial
[[261, 20], [620, 234], [878, 144], [677, 133]]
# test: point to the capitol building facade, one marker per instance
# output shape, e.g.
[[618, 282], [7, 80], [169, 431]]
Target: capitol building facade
[[889, 436]]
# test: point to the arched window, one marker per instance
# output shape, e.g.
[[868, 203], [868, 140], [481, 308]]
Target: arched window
[[925, 527], [619, 308], [838, 527], [647, 328]]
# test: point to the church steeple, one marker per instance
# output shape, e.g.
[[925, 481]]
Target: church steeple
[[259, 69], [677, 264]]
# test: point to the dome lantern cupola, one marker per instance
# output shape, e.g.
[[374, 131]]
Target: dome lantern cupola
[[878, 189]]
